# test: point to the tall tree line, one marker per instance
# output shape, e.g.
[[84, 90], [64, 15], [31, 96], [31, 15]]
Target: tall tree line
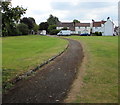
[[12, 24]]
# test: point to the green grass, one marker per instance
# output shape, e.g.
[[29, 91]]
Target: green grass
[[23, 53], [0, 65], [100, 82]]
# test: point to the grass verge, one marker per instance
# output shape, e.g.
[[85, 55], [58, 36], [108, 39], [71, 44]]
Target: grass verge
[[23, 53], [100, 82]]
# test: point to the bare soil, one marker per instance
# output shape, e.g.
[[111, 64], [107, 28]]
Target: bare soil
[[52, 82]]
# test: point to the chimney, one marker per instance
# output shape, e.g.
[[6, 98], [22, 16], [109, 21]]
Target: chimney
[[108, 18], [92, 23]]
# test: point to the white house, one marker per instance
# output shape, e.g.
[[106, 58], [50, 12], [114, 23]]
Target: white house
[[105, 27], [76, 28], [69, 25], [81, 28]]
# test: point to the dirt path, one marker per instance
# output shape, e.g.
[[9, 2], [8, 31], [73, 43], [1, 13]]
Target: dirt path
[[50, 84]]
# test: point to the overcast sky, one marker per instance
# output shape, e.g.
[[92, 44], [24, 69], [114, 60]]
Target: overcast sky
[[67, 10]]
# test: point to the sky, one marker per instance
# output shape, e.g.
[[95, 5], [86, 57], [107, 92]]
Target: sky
[[68, 10]]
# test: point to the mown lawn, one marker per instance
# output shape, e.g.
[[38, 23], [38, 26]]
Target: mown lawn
[[22, 53], [0, 65], [100, 82]]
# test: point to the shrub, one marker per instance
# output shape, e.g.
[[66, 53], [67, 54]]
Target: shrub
[[97, 34], [54, 32], [64, 28], [23, 29]]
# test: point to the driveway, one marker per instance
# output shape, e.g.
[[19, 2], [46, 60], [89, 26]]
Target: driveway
[[52, 82]]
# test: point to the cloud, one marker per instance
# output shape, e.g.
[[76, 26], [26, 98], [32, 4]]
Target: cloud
[[87, 10], [67, 10]]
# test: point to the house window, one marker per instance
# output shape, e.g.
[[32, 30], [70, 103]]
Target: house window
[[79, 32]]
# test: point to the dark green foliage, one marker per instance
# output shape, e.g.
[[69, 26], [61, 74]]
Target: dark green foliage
[[51, 27], [23, 29], [97, 34], [28, 21], [32, 19], [43, 26], [10, 16], [36, 28], [52, 30], [76, 21], [64, 28], [52, 20]]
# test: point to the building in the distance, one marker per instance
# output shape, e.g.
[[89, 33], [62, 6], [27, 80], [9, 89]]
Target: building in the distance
[[105, 27]]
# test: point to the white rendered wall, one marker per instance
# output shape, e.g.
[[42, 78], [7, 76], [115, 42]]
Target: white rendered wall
[[82, 30], [108, 28]]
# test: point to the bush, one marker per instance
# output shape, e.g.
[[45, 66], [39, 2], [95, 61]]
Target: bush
[[97, 34], [22, 29], [51, 27], [64, 28], [54, 32]]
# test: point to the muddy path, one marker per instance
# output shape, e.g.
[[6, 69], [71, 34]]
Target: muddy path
[[51, 83]]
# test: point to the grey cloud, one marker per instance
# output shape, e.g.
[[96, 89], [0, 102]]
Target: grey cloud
[[81, 5], [61, 5]]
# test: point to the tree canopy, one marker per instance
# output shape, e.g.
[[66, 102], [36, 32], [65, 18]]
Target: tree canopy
[[10, 16], [28, 21], [52, 20], [76, 21], [43, 26], [23, 29]]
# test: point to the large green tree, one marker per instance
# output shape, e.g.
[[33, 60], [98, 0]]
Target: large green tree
[[43, 26], [23, 29], [10, 16], [76, 21], [52, 30], [28, 21], [52, 20]]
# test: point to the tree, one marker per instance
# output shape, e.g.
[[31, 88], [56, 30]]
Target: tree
[[32, 19], [36, 28], [51, 27], [10, 16], [52, 20], [43, 26], [28, 21], [76, 21], [23, 29], [52, 30]]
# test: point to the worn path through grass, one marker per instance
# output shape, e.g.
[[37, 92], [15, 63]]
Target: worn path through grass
[[52, 82], [23, 53]]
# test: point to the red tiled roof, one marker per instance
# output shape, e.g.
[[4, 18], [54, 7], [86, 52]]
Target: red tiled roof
[[67, 24], [103, 22], [82, 24], [98, 24]]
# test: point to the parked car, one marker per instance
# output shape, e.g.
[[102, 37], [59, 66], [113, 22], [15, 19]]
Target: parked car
[[64, 32], [84, 34]]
